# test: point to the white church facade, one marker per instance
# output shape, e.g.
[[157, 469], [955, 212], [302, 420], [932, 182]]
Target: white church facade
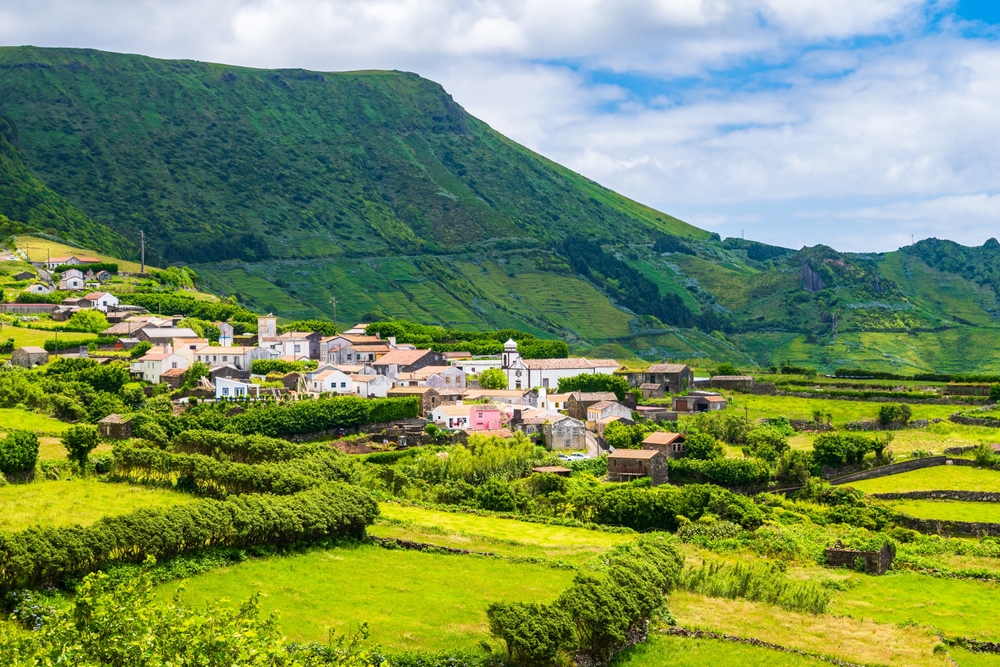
[[527, 374]]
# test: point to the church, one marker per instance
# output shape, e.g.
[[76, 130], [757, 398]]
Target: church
[[530, 373]]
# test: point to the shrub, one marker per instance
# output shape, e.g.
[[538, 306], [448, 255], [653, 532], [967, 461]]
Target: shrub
[[321, 415], [995, 392], [493, 378], [839, 449], [890, 413], [702, 446], [499, 496], [268, 366], [767, 442], [726, 368], [596, 382], [140, 348], [784, 426], [18, 452], [92, 321], [722, 471], [79, 441], [535, 634]]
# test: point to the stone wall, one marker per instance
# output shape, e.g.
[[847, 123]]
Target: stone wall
[[964, 496], [974, 421], [896, 468], [809, 425], [876, 562], [761, 389], [873, 425], [949, 528]]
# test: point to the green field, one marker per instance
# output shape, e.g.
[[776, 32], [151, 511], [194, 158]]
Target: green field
[[938, 478], [947, 510], [842, 411], [12, 418], [671, 651], [956, 607], [489, 534], [79, 501], [37, 337], [410, 600]]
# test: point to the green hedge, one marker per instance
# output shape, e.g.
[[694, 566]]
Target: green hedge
[[322, 414], [48, 555], [721, 471], [265, 366], [240, 448], [206, 475]]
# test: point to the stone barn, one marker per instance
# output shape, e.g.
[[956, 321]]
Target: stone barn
[[115, 427], [876, 562], [625, 465], [29, 356]]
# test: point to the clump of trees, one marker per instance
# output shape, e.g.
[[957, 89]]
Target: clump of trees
[[18, 453], [493, 378], [441, 339], [587, 382], [79, 441], [894, 413]]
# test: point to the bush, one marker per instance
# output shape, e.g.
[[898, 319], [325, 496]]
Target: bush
[[493, 378], [79, 441], [92, 321], [18, 452], [726, 368], [767, 442], [596, 382], [702, 446], [840, 449], [721, 471], [890, 413], [995, 392], [322, 414], [140, 348], [268, 366], [48, 555], [535, 634], [497, 495]]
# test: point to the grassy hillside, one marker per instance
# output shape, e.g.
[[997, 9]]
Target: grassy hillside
[[291, 188]]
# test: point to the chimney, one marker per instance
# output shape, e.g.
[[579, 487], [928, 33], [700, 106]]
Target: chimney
[[392, 342]]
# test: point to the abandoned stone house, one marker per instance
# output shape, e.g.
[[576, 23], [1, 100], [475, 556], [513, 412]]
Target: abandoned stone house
[[671, 444], [875, 562], [29, 356], [699, 401], [731, 382], [625, 465], [671, 378], [115, 427]]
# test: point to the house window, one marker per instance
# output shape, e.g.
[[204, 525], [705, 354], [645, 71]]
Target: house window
[[173, 364], [348, 356], [215, 358], [545, 382], [343, 385], [225, 358], [225, 391], [298, 348]]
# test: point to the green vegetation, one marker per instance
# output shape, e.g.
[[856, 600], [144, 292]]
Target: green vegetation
[[939, 478], [80, 501], [672, 651], [947, 510], [14, 418], [410, 600]]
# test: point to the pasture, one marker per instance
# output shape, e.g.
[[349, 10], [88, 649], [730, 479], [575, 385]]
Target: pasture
[[947, 510], [489, 534], [12, 418], [842, 411], [411, 600], [938, 478], [672, 651], [79, 501]]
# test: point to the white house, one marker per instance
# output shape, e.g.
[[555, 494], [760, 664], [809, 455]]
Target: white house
[[451, 416], [371, 385], [476, 366], [226, 389], [38, 288], [604, 409], [155, 362], [241, 357], [439, 377], [70, 260], [528, 373], [332, 382], [71, 280], [102, 300]]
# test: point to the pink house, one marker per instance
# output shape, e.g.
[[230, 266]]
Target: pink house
[[484, 417]]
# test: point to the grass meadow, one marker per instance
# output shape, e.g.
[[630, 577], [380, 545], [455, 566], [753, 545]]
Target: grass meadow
[[411, 600], [12, 418], [842, 411], [79, 501], [956, 607], [671, 651], [503, 536], [37, 337], [938, 478], [853, 639], [39, 250], [947, 510]]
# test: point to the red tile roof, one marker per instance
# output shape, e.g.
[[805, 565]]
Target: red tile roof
[[641, 454], [662, 438], [402, 357]]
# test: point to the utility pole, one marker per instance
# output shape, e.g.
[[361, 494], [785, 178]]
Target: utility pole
[[142, 250], [334, 302]]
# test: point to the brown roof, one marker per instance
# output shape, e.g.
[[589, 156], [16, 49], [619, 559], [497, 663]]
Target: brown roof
[[551, 469], [411, 390], [642, 454], [564, 364], [457, 355], [666, 368], [33, 349], [649, 385], [402, 357], [360, 338], [375, 347], [739, 378], [115, 419], [594, 396], [715, 399], [662, 438], [600, 405], [173, 373]]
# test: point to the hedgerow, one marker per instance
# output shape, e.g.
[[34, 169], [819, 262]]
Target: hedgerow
[[322, 414], [209, 476], [241, 449], [48, 555]]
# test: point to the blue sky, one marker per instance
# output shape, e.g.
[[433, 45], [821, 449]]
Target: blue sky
[[795, 122]]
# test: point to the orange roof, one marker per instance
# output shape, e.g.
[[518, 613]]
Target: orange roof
[[662, 438], [569, 364], [402, 357], [641, 454]]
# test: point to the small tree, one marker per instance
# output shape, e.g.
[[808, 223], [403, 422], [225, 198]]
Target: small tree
[[88, 320], [702, 446], [79, 441], [493, 378], [18, 452], [726, 368], [140, 348], [195, 372]]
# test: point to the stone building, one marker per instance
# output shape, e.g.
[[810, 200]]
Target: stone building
[[876, 562], [671, 444], [579, 401], [625, 465], [29, 356], [115, 427], [731, 382]]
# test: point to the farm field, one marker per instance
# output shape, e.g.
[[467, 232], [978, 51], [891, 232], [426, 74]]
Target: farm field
[[39, 250], [956, 607], [503, 536], [12, 418], [934, 438], [672, 651], [843, 411], [80, 501], [947, 510], [23, 337], [411, 600], [856, 640], [938, 478]]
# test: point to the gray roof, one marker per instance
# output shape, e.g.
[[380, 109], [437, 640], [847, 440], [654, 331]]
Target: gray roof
[[167, 333]]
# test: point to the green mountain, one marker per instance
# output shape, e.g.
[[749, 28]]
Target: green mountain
[[291, 188]]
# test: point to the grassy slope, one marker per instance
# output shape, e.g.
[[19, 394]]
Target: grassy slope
[[947, 510], [939, 478], [410, 600], [668, 651], [80, 501]]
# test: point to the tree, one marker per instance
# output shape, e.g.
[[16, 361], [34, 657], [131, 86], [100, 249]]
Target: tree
[[535, 634], [890, 413], [726, 368], [995, 392], [767, 442], [195, 372], [140, 348], [93, 321], [18, 452], [702, 446], [493, 378], [596, 382], [79, 441]]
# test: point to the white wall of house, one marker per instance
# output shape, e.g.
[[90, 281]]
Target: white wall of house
[[226, 389], [377, 387], [475, 366], [153, 368], [332, 382], [106, 301]]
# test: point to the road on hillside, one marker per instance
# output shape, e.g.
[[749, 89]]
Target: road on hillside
[[593, 450]]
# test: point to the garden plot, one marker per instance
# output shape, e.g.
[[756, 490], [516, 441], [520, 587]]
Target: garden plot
[[79, 501], [411, 600], [491, 534], [938, 478]]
